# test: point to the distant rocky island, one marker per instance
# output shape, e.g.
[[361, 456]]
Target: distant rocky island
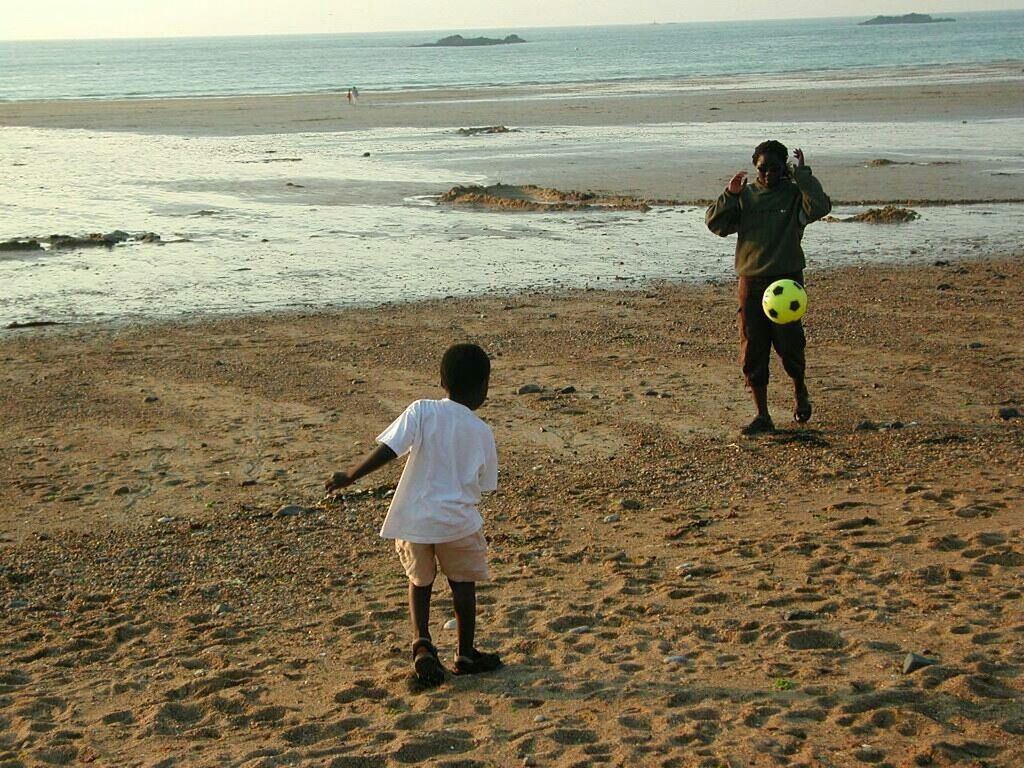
[[458, 41], [907, 18]]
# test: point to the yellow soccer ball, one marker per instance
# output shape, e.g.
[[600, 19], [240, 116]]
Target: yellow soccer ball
[[784, 301]]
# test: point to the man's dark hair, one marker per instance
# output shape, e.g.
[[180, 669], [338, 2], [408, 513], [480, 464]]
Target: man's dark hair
[[773, 149], [464, 369]]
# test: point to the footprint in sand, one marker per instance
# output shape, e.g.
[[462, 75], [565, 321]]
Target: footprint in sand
[[313, 733], [423, 747], [361, 689], [174, 718]]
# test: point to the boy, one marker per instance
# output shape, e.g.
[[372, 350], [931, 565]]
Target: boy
[[433, 516]]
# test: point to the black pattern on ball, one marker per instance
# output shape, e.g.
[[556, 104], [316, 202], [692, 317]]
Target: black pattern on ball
[[773, 313], [794, 305], [778, 290]]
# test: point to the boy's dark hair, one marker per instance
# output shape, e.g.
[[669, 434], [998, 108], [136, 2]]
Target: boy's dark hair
[[771, 148], [464, 369]]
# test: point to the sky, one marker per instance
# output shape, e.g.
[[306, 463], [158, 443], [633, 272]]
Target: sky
[[84, 19]]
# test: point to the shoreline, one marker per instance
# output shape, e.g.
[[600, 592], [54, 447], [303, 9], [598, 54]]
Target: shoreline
[[937, 96], [1008, 70]]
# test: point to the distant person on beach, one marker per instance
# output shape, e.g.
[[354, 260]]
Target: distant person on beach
[[355, 93], [433, 516], [768, 217], [348, 96]]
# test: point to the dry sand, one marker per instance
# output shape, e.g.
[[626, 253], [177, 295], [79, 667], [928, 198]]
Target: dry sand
[[666, 593]]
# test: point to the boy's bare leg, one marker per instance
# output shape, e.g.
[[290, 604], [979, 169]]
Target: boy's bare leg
[[424, 655], [419, 609], [469, 661], [464, 599]]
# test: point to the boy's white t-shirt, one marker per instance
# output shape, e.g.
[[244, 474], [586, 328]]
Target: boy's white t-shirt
[[452, 460]]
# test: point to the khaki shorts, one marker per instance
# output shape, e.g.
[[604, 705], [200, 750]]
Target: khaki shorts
[[464, 559]]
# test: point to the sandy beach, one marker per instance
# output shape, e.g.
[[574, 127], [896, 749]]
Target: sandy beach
[[666, 593]]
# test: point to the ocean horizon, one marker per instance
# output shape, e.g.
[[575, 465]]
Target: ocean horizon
[[287, 64]]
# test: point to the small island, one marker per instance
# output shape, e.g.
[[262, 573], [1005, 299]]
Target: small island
[[458, 41], [907, 18]]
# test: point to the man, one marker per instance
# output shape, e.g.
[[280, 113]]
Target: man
[[769, 217]]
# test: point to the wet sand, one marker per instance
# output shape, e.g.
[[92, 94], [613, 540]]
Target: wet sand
[[946, 93], [666, 593], [828, 111]]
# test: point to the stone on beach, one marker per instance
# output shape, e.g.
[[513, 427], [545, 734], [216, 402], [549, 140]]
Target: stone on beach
[[914, 662], [291, 510]]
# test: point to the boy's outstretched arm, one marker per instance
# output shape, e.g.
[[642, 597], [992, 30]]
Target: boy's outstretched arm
[[376, 459]]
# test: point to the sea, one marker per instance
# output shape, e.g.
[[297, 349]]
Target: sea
[[234, 241], [230, 66]]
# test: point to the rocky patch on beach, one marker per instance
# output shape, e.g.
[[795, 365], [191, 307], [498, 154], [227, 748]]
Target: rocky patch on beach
[[884, 162], [485, 129], [509, 197], [74, 242], [889, 214], [21, 244]]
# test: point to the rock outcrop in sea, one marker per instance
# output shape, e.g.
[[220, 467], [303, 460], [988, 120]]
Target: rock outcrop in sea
[[907, 18], [458, 41]]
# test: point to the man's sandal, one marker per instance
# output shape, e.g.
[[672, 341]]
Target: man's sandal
[[802, 411], [476, 662], [426, 662]]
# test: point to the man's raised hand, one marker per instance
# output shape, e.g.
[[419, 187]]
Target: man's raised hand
[[737, 183]]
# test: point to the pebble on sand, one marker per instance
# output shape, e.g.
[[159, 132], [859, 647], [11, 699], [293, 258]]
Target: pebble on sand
[[914, 662], [291, 510]]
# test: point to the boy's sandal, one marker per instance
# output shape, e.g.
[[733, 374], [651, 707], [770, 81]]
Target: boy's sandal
[[476, 662], [426, 662], [759, 426]]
